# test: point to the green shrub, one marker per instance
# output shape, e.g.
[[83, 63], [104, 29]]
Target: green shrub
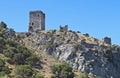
[[19, 54], [9, 52], [3, 25], [3, 68], [87, 35], [38, 76], [2, 74], [98, 77], [25, 71], [1, 34], [33, 60], [6, 70], [62, 70], [18, 76], [2, 63], [11, 42], [2, 41], [19, 58]]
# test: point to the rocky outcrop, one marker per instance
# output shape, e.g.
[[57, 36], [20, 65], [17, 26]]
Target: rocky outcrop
[[86, 54], [95, 58]]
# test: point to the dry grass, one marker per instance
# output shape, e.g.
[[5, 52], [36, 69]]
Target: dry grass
[[47, 60]]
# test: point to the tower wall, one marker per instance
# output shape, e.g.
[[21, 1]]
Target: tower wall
[[107, 40], [36, 21]]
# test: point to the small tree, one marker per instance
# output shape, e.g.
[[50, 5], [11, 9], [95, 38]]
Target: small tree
[[24, 71], [2, 63], [34, 61], [62, 71], [2, 44], [87, 35], [3, 25], [3, 69], [38, 76]]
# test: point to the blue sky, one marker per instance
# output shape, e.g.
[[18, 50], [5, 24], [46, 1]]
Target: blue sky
[[99, 18]]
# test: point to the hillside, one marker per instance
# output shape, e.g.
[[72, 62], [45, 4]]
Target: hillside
[[81, 52], [50, 47], [18, 60]]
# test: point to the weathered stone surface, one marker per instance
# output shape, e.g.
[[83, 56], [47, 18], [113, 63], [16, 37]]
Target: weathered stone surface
[[94, 59], [107, 40], [64, 28], [37, 21], [86, 57]]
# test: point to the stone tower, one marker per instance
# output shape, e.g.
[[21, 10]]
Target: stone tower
[[107, 40], [36, 21]]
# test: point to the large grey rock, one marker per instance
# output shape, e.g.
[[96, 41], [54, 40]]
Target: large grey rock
[[92, 58]]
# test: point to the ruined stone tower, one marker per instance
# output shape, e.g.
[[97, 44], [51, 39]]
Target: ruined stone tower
[[107, 40], [36, 21]]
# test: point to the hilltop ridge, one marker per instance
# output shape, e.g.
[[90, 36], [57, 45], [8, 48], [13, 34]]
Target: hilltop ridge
[[84, 53]]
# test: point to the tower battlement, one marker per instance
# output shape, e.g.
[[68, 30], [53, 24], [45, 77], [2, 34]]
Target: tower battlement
[[36, 21]]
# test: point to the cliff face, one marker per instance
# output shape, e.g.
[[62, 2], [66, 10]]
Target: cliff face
[[84, 53]]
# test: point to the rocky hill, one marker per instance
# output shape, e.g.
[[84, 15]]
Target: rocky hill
[[84, 53]]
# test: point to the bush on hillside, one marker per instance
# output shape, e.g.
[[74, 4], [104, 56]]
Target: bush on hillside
[[62, 70], [3, 25], [3, 69], [26, 72], [34, 61]]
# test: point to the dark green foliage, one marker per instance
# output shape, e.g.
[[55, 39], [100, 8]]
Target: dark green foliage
[[2, 74], [38, 76], [6, 70], [34, 61], [19, 58], [9, 52], [62, 70], [12, 30], [26, 72], [87, 35], [98, 77], [78, 32], [11, 43], [3, 25], [18, 54], [3, 69], [2, 41], [2, 63], [2, 44], [18, 76], [1, 34]]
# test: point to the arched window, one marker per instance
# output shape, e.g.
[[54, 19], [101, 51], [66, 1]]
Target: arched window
[[32, 23]]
